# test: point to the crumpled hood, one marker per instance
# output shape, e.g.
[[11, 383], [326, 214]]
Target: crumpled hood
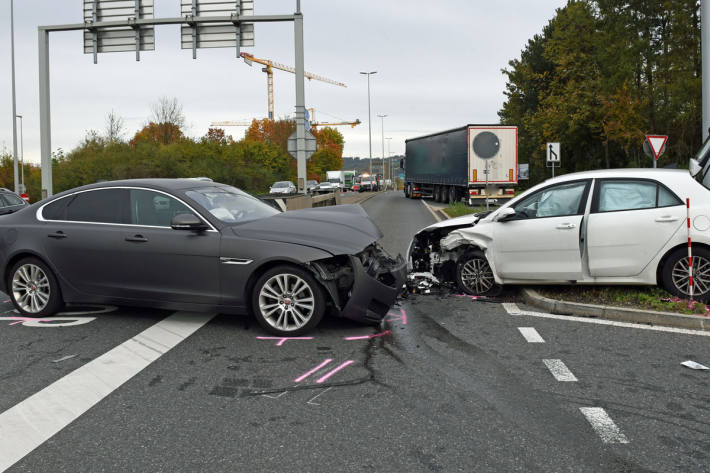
[[465, 220], [342, 229]]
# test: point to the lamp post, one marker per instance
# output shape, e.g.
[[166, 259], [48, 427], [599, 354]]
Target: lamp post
[[383, 143], [22, 156], [389, 156], [14, 101], [369, 114]]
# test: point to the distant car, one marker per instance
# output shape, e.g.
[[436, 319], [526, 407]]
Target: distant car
[[283, 187], [311, 185], [10, 202], [625, 226], [182, 244]]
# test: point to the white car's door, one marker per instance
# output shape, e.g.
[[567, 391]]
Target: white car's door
[[630, 222], [542, 241]]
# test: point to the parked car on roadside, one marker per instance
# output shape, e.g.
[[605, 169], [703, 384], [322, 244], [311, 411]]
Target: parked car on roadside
[[182, 244], [10, 202], [283, 187], [625, 226]]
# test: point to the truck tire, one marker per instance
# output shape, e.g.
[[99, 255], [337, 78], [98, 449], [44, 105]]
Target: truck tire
[[437, 194], [407, 194], [452, 195]]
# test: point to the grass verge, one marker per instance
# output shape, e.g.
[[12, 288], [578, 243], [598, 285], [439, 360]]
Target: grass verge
[[460, 209], [634, 297]]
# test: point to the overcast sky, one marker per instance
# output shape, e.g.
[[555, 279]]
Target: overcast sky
[[438, 66]]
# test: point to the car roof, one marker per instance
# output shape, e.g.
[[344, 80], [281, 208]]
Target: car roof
[[643, 173], [160, 184]]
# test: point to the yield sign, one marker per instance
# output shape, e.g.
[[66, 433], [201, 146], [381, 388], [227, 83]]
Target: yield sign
[[657, 143]]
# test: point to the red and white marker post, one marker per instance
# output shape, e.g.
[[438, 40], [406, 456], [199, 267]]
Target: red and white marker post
[[690, 257]]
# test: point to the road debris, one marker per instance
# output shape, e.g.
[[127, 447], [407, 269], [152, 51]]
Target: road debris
[[694, 366]]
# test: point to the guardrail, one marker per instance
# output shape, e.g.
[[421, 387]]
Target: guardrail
[[300, 201]]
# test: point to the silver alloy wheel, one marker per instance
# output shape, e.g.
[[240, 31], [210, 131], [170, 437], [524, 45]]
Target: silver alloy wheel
[[701, 275], [286, 302], [477, 275], [30, 288]]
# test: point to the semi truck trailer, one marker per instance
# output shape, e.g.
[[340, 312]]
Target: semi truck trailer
[[451, 165]]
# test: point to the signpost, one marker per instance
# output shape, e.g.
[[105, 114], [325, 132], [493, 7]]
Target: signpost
[[128, 25], [553, 156], [654, 146]]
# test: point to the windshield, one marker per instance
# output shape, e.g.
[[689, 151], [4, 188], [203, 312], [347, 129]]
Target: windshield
[[282, 184], [334, 180], [230, 205]]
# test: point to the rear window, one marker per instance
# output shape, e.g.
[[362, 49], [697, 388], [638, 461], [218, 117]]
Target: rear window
[[11, 200]]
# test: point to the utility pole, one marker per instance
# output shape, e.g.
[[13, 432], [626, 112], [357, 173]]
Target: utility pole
[[14, 100], [300, 101], [369, 114], [383, 143], [22, 156], [389, 157], [705, 47]]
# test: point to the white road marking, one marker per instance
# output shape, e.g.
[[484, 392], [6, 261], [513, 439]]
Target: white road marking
[[35, 420], [436, 217], [52, 322], [531, 335], [657, 328], [274, 397], [559, 370], [603, 425]]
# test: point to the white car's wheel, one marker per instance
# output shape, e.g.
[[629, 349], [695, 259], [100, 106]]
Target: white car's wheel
[[288, 301], [676, 278], [475, 276]]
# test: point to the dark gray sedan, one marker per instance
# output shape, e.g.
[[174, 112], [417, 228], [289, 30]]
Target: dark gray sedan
[[184, 244]]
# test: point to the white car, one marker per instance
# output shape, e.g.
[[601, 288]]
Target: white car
[[283, 187], [625, 226]]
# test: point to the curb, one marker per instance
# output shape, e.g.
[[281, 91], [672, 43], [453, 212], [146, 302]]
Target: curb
[[667, 319]]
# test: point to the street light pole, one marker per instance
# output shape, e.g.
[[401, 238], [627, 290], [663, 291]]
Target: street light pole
[[383, 143], [389, 156], [705, 52], [22, 156], [14, 101], [369, 114]]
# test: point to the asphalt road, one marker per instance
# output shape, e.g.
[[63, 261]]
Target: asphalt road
[[454, 386]]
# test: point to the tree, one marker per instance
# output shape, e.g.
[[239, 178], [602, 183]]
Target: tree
[[168, 115], [162, 133], [115, 128]]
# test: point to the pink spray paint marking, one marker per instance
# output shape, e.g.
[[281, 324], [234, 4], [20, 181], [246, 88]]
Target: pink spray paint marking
[[308, 373], [395, 318], [349, 362], [22, 320], [5, 302], [282, 340], [367, 337]]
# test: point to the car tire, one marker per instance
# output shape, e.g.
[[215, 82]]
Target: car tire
[[675, 270], [474, 275], [34, 289], [282, 312]]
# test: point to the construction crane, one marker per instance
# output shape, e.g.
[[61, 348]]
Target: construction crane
[[352, 124], [269, 70], [241, 123]]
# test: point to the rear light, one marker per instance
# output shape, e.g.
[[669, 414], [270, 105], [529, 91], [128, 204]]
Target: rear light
[[510, 191], [475, 175], [510, 173], [473, 192]]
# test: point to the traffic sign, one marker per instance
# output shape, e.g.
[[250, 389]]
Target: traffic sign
[[25, 197], [553, 152], [656, 145], [310, 144]]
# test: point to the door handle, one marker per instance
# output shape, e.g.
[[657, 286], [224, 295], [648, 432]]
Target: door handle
[[137, 239], [58, 235], [566, 226], [667, 218]]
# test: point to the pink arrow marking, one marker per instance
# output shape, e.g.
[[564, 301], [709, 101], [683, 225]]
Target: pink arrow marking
[[395, 318], [283, 340], [366, 337]]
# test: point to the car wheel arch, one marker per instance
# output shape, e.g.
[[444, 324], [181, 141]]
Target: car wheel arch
[[25, 254], [668, 253]]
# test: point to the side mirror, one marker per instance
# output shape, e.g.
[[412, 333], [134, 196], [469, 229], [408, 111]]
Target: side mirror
[[506, 214], [695, 167], [188, 222]]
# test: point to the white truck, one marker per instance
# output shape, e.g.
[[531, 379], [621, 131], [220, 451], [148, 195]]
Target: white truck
[[335, 181]]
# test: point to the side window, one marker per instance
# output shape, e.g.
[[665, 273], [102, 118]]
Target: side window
[[618, 195], [100, 206], [557, 201], [56, 210], [3, 202], [155, 209], [12, 199]]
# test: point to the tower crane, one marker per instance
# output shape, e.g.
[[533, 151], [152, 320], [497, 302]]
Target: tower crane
[[269, 70], [315, 124]]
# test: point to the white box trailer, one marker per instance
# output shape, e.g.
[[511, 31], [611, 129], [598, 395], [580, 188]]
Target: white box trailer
[[446, 166]]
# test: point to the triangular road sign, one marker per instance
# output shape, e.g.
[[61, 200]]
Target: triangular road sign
[[657, 144]]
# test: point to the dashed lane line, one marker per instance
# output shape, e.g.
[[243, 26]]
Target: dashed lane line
[[513, 309], [603, 425], [35, 420], [531, 335], [560, 371]]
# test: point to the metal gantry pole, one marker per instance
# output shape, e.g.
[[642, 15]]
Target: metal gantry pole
[[45, 128], [300, 101], [705, 47], [22, 156], [383, 144], [14, 100], [369, 115]]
